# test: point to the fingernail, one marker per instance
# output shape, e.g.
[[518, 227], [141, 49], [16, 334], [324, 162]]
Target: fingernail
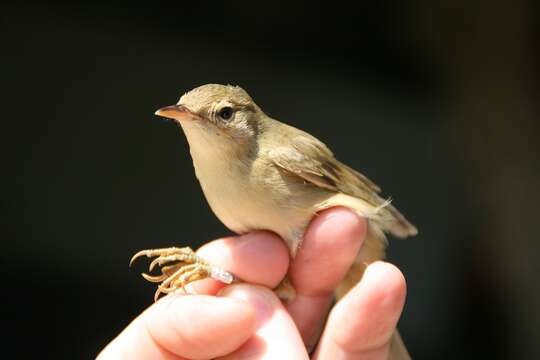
[[261, 299]]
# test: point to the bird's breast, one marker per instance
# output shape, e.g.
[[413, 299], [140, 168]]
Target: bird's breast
[[244, 201], [247, 194]]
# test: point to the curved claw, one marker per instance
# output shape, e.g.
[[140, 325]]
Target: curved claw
[[162, 290], [163, 260], [167, 290], [153, 264], [138, 255], [156, 295], [179, 258], [154, 279]]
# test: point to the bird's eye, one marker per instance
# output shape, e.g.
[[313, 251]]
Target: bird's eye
[[226, 113]]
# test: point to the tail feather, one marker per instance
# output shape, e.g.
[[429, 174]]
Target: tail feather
[[386, 216], [397, 225]]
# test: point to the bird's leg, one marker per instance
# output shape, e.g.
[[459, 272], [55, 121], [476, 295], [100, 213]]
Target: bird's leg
[[285, 290], [182, 267]]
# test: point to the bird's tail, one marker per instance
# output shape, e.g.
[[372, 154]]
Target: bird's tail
[[394, 222], [384, 215]]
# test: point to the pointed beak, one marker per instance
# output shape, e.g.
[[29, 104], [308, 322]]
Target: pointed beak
[[176, 112]]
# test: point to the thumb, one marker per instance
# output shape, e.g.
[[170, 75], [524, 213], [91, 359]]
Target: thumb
[[185, 326]]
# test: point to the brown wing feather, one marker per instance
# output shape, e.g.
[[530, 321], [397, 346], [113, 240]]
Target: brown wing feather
[[310, 159]]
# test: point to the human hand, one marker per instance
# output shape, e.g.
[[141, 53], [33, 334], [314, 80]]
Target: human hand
[[249, 322]]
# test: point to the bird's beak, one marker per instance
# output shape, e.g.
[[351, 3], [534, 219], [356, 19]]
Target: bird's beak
[[176, 112]]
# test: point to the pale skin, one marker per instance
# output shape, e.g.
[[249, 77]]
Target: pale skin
[[247, 321]]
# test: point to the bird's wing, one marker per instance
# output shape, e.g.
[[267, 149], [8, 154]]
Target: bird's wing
[[310, 159]]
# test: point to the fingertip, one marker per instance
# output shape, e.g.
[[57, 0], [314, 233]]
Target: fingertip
[[259, 257], [343, 223], [366, 317], [331, 243], [263, 258], [387, 284]]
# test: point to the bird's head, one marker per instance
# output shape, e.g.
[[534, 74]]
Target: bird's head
[[216, 115]]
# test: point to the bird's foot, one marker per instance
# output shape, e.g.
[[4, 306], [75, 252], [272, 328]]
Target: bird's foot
[[179, 267]]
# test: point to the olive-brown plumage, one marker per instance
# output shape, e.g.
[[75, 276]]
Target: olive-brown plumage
[[259, 173]]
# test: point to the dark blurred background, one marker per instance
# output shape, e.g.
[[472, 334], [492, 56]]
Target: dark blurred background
[[437, 103]]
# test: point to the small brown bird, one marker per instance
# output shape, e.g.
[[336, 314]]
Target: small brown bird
[[260, 174]]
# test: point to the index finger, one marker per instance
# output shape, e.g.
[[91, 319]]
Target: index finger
[[331, 244], [258, 257]]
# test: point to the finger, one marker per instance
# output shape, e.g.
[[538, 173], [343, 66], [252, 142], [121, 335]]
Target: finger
[[185, 327], [329, 249], [259, 257], [361, 324], [276, 336]]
